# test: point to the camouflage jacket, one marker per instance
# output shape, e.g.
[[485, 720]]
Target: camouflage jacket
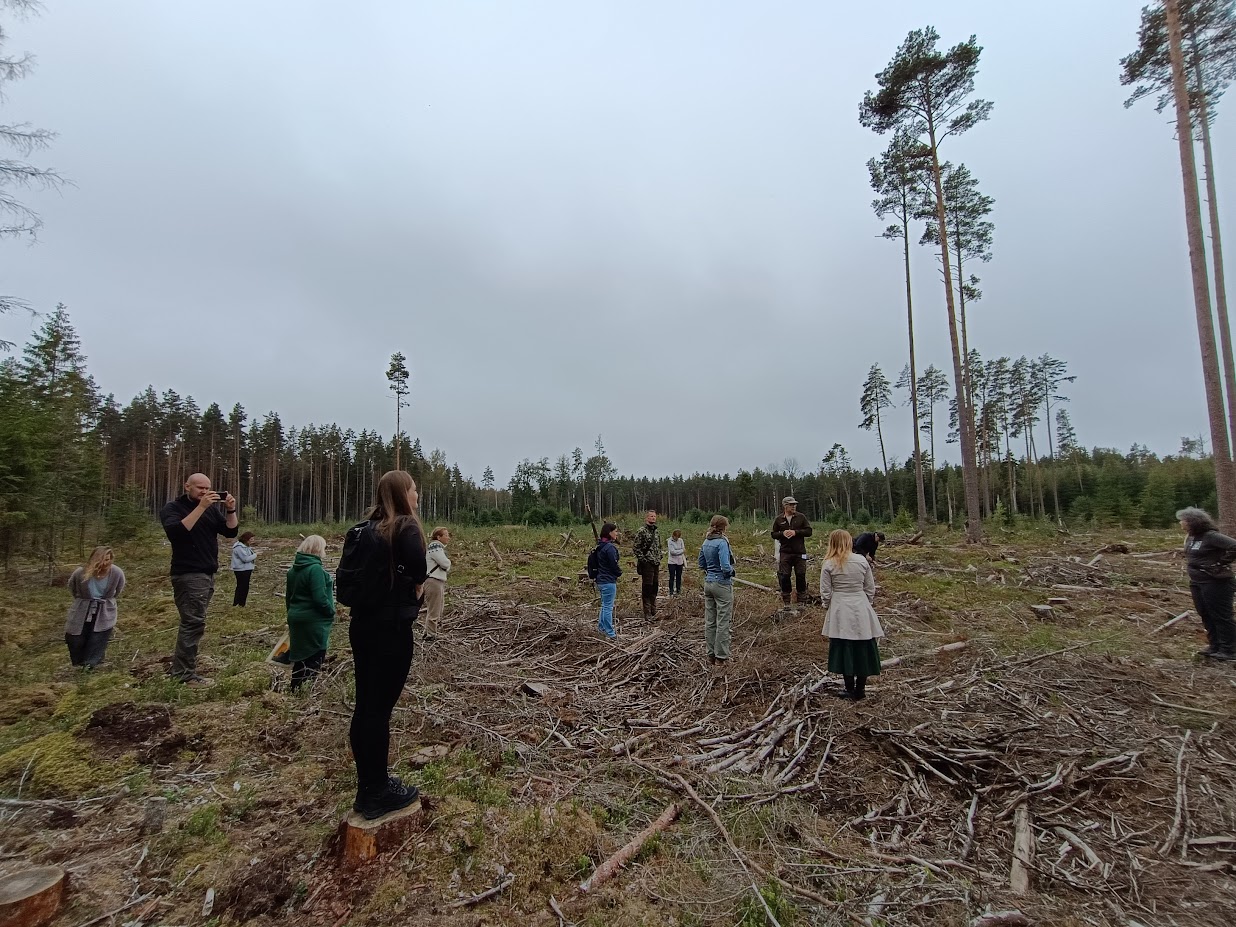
[[647, 546]]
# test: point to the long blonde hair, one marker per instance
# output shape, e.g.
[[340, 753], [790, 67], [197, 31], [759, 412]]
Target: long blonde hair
[[840, 546], [93, 564]]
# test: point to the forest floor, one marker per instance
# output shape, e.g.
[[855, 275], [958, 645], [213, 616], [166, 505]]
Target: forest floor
[[1087, 733]]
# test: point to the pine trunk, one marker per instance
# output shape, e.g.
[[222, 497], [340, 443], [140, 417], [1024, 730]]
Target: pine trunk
[[1225, 478], [918, 448], [969, 466]]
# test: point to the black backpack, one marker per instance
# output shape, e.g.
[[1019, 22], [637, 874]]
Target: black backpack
[[594, 562], [363, 577]]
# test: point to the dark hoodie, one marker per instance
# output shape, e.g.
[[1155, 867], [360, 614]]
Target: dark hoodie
[[608, 569], [1210, 557]]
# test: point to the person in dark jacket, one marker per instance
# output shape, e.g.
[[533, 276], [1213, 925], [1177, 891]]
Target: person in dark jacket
[[92, 616], [867, 543], [608, 572], [1210, 555], [648, 553], [310, 601], [381, 638], [193, 523], [792, 529]]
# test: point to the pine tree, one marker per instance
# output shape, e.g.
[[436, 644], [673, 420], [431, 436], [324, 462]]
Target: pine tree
[[924, 92], [877, 396]]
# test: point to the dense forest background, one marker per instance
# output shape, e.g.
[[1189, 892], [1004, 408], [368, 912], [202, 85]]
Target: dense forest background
[[76, 465]]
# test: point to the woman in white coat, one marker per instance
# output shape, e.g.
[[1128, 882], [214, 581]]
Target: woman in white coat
[[847, 586]]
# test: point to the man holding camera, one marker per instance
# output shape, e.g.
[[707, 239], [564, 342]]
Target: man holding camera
[[193, 523]]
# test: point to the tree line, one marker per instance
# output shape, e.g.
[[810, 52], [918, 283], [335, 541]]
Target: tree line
[[76, 464]]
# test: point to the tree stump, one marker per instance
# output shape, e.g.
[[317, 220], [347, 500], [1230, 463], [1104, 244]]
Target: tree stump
[[359, 840], [32, 897]]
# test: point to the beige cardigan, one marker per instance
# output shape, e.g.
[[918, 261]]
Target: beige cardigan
[[848, 594]]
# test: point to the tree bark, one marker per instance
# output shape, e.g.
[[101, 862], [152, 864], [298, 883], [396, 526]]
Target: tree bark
[[1216, 248], [969, 466], [918, 448], [1225, 478]]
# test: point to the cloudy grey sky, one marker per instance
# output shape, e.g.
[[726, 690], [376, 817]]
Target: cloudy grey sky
[[645, 219]]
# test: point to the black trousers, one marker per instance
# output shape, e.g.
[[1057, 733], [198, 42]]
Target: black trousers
[[675, 578], [242, 587], [382, 652], [795, 563], [305, 670], [1213, 602], [650, 577], [89, 647]]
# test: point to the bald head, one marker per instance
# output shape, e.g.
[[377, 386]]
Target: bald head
[[197, 485]]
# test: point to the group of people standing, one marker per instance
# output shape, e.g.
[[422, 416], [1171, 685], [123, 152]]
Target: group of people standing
[[847, 586]]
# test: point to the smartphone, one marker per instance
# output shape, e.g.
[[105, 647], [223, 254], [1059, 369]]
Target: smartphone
[[222, 494]]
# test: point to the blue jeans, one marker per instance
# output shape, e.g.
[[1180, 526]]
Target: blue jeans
[[609, 592]]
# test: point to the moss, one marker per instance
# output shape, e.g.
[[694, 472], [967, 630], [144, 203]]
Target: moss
[[58, 765]]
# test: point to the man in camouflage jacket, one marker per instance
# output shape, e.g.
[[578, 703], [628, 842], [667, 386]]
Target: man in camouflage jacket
[[648, 553]]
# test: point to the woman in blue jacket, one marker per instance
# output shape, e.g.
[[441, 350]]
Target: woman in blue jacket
[[608, 572], [717, 562]]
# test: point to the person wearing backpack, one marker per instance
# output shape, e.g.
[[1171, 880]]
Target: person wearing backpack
[[604, 561], [379, 578]]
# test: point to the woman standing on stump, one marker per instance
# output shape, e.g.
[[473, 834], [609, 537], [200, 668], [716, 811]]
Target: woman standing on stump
[[92, 616], [1210, 555], [381, 582], [847, 586]]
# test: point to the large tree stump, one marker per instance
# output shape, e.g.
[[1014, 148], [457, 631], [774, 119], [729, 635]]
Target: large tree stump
[[360, 840], [32, 897]]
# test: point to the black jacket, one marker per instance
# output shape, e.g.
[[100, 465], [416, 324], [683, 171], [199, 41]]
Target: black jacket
[[866, 544], [195, 551], [608, 569], [797, 545], [409, 554], [1210, 557]]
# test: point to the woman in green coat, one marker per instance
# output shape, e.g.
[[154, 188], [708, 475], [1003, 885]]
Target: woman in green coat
[[311, 610]]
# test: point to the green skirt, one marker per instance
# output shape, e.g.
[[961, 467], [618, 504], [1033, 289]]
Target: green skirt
[[853, 658]]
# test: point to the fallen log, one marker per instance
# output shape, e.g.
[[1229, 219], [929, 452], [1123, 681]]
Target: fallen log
[[1002, 919], [610, 867], [1167, 624], [494, 550], [1023, 851], [947, 648], [32, 897], [747, 582]]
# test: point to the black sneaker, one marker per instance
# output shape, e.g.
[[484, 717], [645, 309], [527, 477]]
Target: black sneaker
[[392, 782], [394, 798]]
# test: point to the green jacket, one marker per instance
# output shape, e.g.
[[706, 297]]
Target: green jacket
[[311, 607], [647, 545]]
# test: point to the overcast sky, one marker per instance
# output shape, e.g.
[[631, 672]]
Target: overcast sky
[[649, 220]]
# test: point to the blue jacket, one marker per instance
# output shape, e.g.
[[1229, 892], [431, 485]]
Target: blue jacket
[[607, 562], [715, 561]]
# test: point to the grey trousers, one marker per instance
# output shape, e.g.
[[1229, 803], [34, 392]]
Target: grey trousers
[[718, 611], [193, 592]]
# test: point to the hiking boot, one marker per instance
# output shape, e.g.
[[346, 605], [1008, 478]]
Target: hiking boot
[[1206, 651], [196, 682], [860, 688], [1225, 656], [849, 686], [372, 806]]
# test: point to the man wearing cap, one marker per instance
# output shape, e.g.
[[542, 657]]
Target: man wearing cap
[[792, 529]]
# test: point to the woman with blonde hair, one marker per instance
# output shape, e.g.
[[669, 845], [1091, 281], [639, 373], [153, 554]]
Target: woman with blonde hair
[[92, 616], [310, 600], [847, 586], [381, 636]]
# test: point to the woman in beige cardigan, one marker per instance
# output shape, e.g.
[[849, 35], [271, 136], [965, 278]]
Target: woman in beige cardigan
[[92, 616], [847, 586]]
